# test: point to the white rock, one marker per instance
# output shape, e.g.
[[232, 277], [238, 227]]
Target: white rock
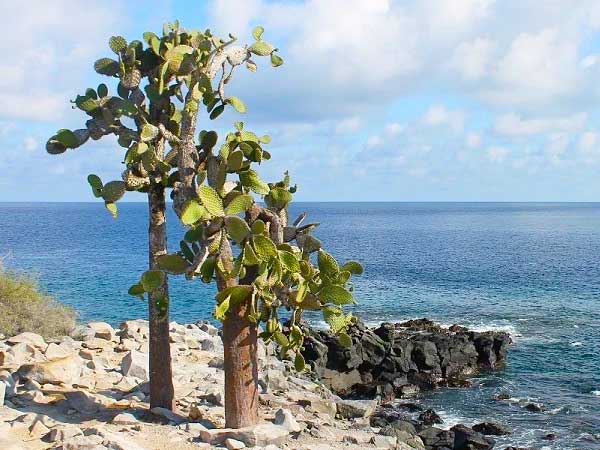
[[387, 442], [285, 418], [135, 364], [33, 339], [9, 383], [233, 444], [350, 409], [125, 419], [82, 402], [103, 330], [65, 370], [261, 435], [137, 330], [55, 351], [23, 352], [2, 393]]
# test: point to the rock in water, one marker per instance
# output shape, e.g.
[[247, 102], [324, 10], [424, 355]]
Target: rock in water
[[399, 359], [491, 429]]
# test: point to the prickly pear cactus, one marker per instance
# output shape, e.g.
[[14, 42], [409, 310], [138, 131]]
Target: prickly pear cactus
[[280, 269]]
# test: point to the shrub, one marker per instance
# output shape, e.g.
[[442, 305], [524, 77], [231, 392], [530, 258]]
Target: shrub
[[24, 307]]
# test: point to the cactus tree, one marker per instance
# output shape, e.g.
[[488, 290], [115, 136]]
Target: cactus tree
[[267, 271]]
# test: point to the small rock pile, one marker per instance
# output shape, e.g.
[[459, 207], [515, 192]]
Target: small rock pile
[[89, 391]]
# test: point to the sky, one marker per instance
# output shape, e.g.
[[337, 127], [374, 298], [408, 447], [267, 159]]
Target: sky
[[428, 100]]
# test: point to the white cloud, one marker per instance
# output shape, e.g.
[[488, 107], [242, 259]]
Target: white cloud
[[348, 125], [472, 59], [46, 47], [497, 154], [513, 125], [30, 143], [374, 141], [394, 129], [589, 147], [473, 140], [440, 115]]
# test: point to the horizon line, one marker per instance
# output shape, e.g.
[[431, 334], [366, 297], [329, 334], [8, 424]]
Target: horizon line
[[323, 201]]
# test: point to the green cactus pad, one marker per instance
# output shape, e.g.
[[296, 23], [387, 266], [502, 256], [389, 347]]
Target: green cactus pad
[[113, 191], [117, 44], [261, 48], [173, 263], [237, 228], [152, 280], [106, 66], [237, 104]]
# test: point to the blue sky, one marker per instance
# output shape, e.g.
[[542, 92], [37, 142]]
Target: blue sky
[[462, 100]]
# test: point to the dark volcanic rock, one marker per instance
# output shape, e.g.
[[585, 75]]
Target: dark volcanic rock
[[466, 438], [534, 407], [436, 438], [430, 417], [400, 359], [491, 429]]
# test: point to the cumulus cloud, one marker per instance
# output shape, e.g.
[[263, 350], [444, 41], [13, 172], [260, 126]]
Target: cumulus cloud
[[440, 115], [45, 47], [512, 124]]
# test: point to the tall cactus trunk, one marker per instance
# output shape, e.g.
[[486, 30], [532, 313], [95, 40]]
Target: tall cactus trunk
[[241, 369], [240, 344], [161, 375]]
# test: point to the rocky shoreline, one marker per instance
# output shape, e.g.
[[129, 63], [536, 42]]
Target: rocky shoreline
[[89, 391], [400, 359]]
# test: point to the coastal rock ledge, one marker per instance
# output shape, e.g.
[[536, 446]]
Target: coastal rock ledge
[[89, 391], [400, 359]]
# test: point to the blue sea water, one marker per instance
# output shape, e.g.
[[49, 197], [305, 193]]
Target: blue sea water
[[532, 269]]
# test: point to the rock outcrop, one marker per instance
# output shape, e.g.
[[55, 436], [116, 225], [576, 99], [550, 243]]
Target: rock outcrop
[[397, 360], [90, 391]]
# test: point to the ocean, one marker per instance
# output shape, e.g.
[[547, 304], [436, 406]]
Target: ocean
[[532, 269]]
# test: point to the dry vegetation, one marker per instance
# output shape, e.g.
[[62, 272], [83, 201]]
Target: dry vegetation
[[23, 307]]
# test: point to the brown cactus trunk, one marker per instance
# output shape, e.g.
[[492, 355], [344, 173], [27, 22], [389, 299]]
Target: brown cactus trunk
[[241, 369], [240, 343], [161, 375]]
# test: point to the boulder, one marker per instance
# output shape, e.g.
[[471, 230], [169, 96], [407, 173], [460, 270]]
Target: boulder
[[284, 418], [430, 417], [135, 364], [137, 330], [82, 402], [433, 437], [352, 409], [59, 371], [258, 435], [58, 351], [32, 339], [466, 438], [233, 444], [103, 330], [491, 429], [125, 419]]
